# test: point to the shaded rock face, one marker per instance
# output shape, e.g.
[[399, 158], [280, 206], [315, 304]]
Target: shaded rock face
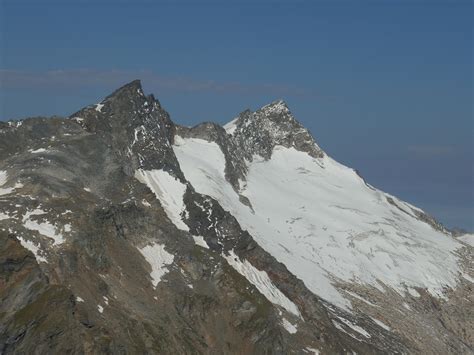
[[105, 247], [257, 133]]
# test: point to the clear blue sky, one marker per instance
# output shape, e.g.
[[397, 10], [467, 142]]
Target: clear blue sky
[[385, 86]]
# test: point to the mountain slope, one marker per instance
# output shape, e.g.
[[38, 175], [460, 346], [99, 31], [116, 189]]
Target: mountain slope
[[152, 237], [324, 223]]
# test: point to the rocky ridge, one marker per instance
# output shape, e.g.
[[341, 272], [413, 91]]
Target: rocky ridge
[[106, 246]]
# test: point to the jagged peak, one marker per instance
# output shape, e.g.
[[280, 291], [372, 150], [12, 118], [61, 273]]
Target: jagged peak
[[127, 98], [133, 91], [275, 118], [127, 109], [277, 106], [277, 109], [271, 125], [133, 88], [277, 112]]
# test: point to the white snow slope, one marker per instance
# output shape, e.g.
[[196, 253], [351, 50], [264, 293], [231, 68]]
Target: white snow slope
[[168, 190], [468, 239], [262, 282], [324, 223]]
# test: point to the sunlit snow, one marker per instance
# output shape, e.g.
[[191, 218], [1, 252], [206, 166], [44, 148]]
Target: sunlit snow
[[292, 329], [159, 259], [39, 150], [324, 223], [381, 324], [262, 282], [468, 239], [3, 177], [198, 240], [356, 296], [351, 325], [44, 227], [31, 246], [231, 126], [168, 190], [3, 181]]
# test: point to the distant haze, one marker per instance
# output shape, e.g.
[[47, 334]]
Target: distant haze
[[385, 87]]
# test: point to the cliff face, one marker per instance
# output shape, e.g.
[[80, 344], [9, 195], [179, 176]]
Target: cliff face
[[121, 232]]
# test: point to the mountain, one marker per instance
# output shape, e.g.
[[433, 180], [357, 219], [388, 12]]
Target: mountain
[[124, 232]]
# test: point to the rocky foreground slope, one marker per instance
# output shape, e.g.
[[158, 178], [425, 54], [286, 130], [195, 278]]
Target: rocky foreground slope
[[123, 232]]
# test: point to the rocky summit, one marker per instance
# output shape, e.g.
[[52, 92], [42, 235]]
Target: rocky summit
[[123, 232]]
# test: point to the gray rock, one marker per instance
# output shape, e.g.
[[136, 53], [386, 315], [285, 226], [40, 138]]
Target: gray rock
[[93, 292]]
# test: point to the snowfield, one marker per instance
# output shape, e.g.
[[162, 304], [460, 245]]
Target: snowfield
[[323, 222]]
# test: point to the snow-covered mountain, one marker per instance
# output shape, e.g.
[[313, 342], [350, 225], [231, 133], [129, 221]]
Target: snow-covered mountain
[[130, 233]]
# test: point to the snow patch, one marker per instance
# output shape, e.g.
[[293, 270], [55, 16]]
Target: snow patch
[[28, 244], [39, 150], [354, 327], [356, 296], [99, 107], [100, 308], [159, 259], [413, 292], [467, 277], [3, 177], [3, 181], [231, 126], [168, 190], [381, 324], [136, 132], [198, 240], [44, 228], [262, 282], [292, 329], [79, 299]]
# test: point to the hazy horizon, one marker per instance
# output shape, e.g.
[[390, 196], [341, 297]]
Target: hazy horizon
[[384, 88]]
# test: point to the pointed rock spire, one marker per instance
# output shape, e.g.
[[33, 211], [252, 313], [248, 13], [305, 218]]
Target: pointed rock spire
[[260, 131], [131, 90], [276, 107], [133, 124]]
